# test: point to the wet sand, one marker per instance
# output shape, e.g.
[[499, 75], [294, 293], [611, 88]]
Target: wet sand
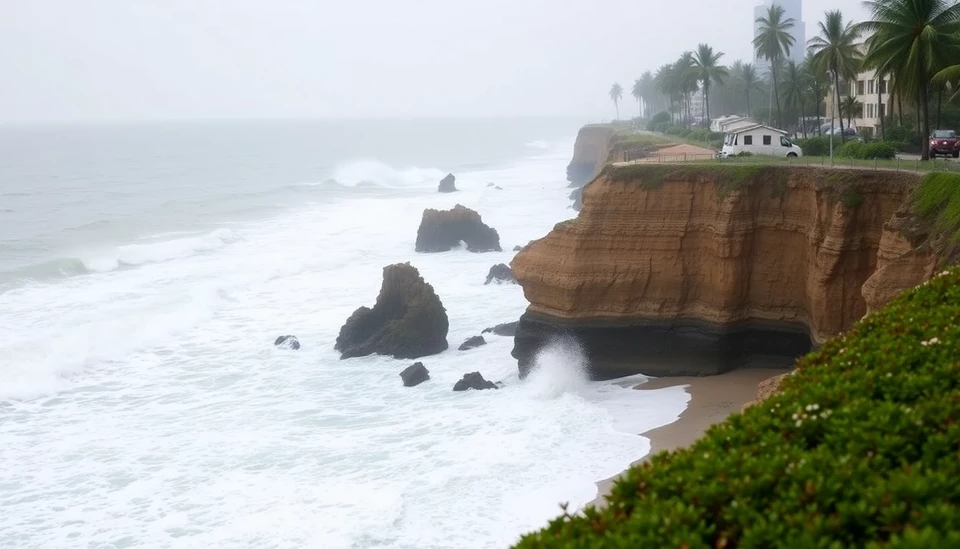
[[712, 399]]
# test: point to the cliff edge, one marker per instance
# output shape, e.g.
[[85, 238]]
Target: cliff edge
[[698, 269]]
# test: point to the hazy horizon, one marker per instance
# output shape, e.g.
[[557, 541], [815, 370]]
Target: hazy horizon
[[182, 60]]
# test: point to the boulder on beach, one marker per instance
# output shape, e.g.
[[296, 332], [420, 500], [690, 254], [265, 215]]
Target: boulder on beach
[[472, 343], [407, 321], [447, 184], [508, 329], [442, 230], [501, 274], [475, 381], [414, 375], [287, 342]]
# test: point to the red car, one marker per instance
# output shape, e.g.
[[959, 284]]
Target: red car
[[945, 142]]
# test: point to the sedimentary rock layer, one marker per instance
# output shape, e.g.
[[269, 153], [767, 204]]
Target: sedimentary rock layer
[[673, 269]]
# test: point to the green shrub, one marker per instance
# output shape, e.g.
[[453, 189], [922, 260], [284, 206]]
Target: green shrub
[[879, 149], [850, 149], [859, 449], [685, 132], [659, 120], [815, 146]]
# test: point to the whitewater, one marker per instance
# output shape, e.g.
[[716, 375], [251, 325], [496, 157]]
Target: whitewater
[[143, 404]]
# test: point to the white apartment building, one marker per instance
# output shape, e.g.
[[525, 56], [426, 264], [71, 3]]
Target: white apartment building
[[874, 97]]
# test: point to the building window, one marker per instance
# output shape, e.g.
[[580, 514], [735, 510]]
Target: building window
[[748, 140], [859, 87], [883, 111], [883, 86], [870, 86], [766, 140]]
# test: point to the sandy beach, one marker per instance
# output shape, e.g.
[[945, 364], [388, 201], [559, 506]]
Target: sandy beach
[[712, 399]]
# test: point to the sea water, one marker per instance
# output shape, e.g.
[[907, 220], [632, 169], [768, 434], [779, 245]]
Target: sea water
[[145, 270]]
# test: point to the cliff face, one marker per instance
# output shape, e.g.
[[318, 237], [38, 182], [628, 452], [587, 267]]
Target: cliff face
[[680, 270], [590, 153]]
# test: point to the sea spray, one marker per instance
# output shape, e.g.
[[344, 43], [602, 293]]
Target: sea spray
[[559, 367]]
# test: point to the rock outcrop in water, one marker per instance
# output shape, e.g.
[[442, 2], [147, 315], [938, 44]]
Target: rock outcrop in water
[[448, 184], [472, 343], [443, 230], [507, 329], [414, 374], [501, 274], [474, 381], [287, 342], [695, 270], [407, 321]]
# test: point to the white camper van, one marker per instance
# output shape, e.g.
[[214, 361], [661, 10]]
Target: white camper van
[[758, 139]]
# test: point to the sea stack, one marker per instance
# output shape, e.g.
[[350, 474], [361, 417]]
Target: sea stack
[[448, 184], [443, 230], [407, 321]]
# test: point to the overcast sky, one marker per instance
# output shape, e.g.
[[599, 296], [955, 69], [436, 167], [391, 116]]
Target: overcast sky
[[188, 59]]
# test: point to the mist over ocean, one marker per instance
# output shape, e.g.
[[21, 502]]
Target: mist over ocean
[[145, 270]]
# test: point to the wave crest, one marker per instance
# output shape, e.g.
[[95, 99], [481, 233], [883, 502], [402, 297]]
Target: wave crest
[[559, 367], [361, 173]]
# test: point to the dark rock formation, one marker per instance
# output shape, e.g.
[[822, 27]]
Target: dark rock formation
[[577, 196], [414, 375], [474, 380], [500, 274], [442, 230], [508, 329], [498, 187], [472, 343], [517, 248], [672, 347], [490, 185], [287, 342], [447, 184], [408, 320]]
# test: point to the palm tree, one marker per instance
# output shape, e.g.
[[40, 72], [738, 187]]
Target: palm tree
[[707, 67], [852, 108], [773, 42], [664, 83], [815, 79], [836, 51], [616, 93], [795, 88], [748, 77], [685, 79], [637, 92], [913, 39], [648, 91]]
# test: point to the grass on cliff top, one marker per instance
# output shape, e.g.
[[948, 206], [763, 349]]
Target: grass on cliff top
[[861, 448], [728, 178], [937, 201], [843, 184]]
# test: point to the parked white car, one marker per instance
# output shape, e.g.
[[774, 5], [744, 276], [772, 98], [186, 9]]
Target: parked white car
[[759, 139]]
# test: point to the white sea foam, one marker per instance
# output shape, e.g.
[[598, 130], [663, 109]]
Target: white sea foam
[[147, 407], [373, 172]]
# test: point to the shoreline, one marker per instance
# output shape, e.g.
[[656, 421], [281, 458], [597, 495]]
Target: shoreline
[[712, 400]]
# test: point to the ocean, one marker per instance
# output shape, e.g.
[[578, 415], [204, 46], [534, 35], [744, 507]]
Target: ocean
[[145, 271]]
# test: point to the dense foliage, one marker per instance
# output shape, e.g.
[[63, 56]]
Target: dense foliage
[[867, 151], [859, 449]]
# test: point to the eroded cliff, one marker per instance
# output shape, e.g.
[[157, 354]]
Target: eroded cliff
[[698, 269]]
